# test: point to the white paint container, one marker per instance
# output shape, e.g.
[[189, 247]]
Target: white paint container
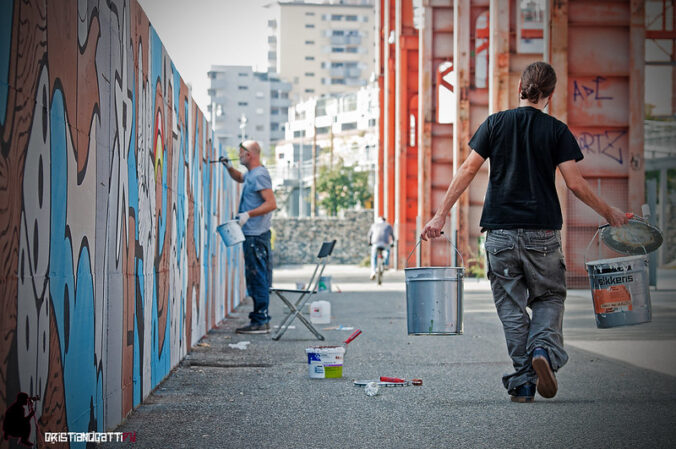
[[231, 233], [314, 363], [320, 312], [325, 361]]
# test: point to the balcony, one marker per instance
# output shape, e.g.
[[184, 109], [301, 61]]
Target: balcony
[[280, 102]]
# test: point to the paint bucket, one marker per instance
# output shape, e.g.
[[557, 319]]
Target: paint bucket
[[231, 233], [325, 361], [620, 291], [434, 299], [320, 312]]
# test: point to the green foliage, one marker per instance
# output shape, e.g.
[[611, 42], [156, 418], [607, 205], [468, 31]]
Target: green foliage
[[342, 188]]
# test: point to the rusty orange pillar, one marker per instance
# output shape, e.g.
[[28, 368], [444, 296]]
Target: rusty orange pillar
[[405, 143], [461, 132], [426, 118], [379, 65]]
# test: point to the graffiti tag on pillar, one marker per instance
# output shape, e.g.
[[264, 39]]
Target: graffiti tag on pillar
[[606, 143], [585, 90]]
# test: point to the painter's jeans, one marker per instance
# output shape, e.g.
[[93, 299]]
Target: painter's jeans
[[374, 257], [258, 274], [527, 269]]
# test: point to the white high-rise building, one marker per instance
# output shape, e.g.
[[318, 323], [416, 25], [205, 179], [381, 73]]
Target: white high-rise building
[[322, 48], [247, 104]]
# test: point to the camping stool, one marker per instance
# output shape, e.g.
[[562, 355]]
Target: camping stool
[[305, 294]]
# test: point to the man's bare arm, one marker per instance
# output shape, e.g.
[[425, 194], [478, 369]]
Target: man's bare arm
[[579, 186]]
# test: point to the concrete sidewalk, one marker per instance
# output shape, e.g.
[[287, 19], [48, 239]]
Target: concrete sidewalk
[[618, 389]]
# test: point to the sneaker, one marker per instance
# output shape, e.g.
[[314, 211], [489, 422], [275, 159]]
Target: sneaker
[[254, 328], [546, 384], [523, 393], [373, 276]]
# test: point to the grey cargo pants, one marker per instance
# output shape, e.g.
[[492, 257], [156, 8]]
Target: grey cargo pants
[[526, 269]]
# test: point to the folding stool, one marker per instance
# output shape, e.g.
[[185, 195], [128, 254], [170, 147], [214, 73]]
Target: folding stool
[[305, 294]]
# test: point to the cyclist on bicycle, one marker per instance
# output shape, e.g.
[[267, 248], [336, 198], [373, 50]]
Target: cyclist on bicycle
[[381, 237]]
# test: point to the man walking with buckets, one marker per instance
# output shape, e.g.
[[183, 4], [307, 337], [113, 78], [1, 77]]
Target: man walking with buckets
[[523, 218]]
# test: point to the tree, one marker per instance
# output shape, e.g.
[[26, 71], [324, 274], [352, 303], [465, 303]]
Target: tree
[[341, 188]]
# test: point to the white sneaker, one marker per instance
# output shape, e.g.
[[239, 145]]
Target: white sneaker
[[373, 276]]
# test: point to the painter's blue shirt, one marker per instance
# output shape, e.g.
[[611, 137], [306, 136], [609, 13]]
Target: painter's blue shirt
[[254, 181]]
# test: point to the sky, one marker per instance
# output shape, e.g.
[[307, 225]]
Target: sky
[[200, 33]]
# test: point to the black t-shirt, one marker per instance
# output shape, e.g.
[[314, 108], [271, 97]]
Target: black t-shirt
[[524, 146]]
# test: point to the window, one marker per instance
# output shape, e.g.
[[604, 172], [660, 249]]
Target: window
[[309, 91], [309, 74], [351, 18], [309, 58], [337, 50], [309, 25], [260, 128], [242, 103], [337, 80], [274, 111], [348, 126], [309, 42], [352, 49], [336, 17], [323, 130], [280, 156], [243, 87], [300, 133], [241, 74], [309, 13], [372, 122], [530, 21]]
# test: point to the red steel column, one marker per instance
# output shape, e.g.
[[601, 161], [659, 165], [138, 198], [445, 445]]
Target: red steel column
[[461, 134]]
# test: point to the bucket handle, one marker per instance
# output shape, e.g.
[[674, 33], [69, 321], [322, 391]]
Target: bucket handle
[[589, 244], [449, 241]]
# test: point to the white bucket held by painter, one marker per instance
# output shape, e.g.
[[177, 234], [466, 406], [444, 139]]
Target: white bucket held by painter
[[620, 291], [320, 312], [231, 232]]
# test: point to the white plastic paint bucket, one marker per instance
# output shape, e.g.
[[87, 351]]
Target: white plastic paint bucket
[[231, 233], [330, 358], [314, 363], [620, 291], [320, 312]]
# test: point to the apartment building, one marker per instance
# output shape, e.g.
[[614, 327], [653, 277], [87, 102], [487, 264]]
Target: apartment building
[[244, 103], [342, 129], [322, 48]]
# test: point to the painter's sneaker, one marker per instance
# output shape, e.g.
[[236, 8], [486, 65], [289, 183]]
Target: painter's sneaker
[[373, 276], [254, 328], [546, 384]]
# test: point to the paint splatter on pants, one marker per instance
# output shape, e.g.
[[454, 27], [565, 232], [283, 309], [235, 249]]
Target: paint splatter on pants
[[527, 270], [258, 273]]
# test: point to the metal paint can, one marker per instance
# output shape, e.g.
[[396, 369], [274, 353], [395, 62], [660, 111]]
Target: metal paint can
[[434, 300], [620, 291]]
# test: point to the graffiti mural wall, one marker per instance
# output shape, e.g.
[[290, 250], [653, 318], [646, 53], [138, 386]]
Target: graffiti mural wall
[[111, 268]]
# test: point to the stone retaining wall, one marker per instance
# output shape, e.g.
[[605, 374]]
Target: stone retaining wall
[[299, 239]]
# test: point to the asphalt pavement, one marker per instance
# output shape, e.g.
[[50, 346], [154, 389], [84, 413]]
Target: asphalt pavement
[[618, 389]]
